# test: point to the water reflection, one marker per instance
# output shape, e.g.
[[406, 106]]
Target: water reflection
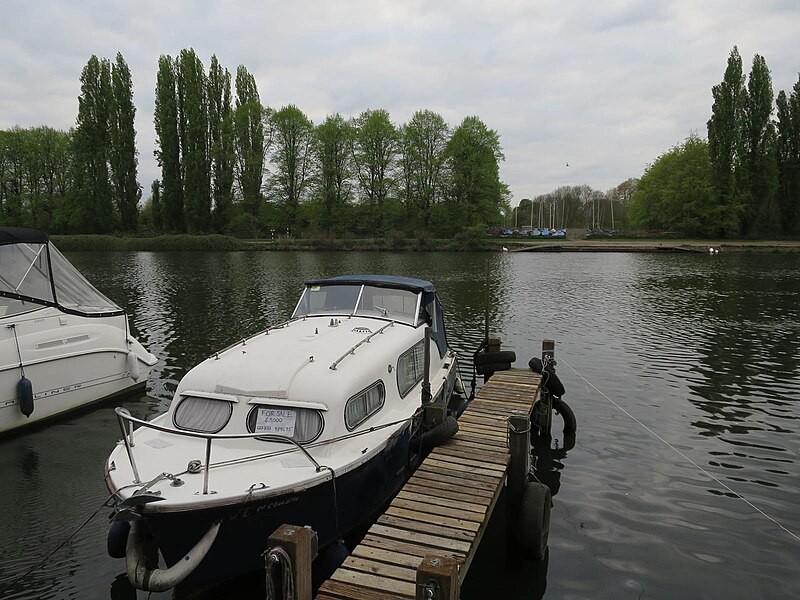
[[705, 350]]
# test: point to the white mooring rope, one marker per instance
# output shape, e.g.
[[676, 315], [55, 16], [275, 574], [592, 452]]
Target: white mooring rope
[[683, 455]]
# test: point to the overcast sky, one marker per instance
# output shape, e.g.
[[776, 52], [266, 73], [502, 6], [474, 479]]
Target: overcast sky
[[604, 86]]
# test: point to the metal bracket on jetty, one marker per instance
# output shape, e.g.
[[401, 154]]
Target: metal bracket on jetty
[[423, 544]]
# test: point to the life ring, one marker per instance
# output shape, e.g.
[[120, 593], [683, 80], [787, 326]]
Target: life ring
[[533, 522], [562, 408]]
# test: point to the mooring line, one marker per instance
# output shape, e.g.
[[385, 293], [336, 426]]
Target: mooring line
[[9, 583], [683, 455]]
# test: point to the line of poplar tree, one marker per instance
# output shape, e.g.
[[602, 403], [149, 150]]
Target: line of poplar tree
[[83, 180], [230, 164], [744, 180]]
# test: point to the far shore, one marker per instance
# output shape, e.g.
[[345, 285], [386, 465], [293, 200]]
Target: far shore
[[214, 242]]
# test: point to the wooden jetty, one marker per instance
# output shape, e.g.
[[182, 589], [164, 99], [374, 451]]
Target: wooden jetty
[[432, 528]]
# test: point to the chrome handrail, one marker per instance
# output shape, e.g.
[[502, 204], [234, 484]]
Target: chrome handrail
[[124, 417], [364, 341]]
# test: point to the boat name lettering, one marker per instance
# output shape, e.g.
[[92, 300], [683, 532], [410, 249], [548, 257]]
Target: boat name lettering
[[249, 511]]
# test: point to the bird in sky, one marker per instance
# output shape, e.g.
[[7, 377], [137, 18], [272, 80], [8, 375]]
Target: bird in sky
[[567, 164]]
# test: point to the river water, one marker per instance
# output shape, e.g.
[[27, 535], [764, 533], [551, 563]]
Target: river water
[[683, 372]]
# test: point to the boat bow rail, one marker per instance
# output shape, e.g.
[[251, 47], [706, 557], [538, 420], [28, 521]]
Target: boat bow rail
[[127, 422]]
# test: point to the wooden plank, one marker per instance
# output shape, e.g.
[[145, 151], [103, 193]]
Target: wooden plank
[[476, 465], [463, 468], [412, 548], [387, 556], [453, 497], [391, 520], [337, 589], [401, 588], [463, 505], [495, 443], [435, 484], [467, 477], [438, 510], [461, 449], [465, 524], [356, 563], [419, 538], [462, 441], [496, 432]]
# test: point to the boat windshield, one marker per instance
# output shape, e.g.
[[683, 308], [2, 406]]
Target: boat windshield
[[25, 274], [364, 300]]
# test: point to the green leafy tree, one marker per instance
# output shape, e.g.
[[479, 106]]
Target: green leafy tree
[[193, 128], [93, 205], [726, 135], [250, 140], [34, 176], [473, 153], [223, 157], [123, 155], [168, 150], [676, 193], [292, 158], [760, 165], [423, 142], [375, 150], [788, 159], [333, 150]]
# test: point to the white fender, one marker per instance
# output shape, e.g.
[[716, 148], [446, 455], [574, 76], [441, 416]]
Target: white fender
[[159, 580], [133, 365]]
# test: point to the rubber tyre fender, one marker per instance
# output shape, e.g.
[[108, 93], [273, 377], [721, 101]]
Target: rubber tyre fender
[[533, 523], [550, 380], [437, 435], [570, 423], [491, 368], [502, 356]]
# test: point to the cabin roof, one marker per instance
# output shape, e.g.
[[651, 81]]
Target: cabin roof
[[389, 281], [21, 235]]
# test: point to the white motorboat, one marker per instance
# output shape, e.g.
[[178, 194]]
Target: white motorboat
[[316, 421], [63, 344]]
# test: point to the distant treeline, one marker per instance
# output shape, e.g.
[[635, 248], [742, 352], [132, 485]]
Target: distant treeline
[[744, 180], [230, 164]]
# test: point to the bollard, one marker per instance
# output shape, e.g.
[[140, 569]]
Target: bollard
[[437, 578], [546, 414], [300, 543], [519, 445]]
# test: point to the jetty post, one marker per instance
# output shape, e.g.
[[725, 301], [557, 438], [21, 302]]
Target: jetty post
[[545, 416], [300, 544], [437, 578]]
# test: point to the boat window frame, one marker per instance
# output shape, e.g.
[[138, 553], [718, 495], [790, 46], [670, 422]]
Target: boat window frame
[[272, 437], [368, 415], [185, 397], [420, 343], [415, 320]]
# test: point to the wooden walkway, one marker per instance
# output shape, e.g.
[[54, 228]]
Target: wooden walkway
[[445, 507]]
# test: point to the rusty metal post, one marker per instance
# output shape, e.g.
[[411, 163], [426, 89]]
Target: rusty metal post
[[437, 578]]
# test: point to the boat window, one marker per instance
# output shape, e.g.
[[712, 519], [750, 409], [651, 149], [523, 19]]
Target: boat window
[[388, 303], [24, 270], [363, 405], [73, 291], [204, 415], [328, 299], [410, 368], [303, 425]]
